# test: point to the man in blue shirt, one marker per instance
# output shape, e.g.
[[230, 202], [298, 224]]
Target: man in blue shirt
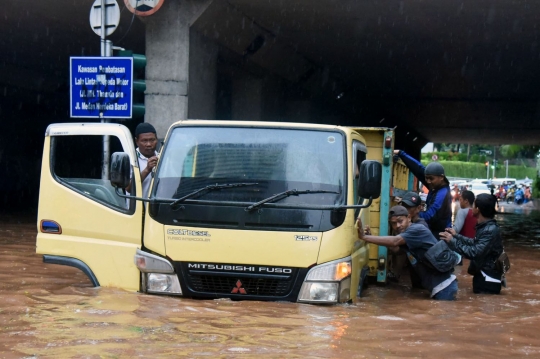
[[416, 240], [438, 213]]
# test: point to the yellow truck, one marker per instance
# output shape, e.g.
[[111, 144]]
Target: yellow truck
[[240, 210]]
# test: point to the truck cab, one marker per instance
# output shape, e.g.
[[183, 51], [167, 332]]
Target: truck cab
[[240, 210]]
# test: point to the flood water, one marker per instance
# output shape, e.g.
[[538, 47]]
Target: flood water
[[50, 311]]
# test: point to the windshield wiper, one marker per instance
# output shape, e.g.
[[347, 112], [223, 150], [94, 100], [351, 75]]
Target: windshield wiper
[[210, 188], [279, 196]]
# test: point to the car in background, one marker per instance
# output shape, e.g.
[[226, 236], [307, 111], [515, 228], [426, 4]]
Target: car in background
[[479, 188], [524, 182], [459, 183], [500, 181], [478, 180]]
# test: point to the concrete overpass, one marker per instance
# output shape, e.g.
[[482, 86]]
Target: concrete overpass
[[441, 71], [452, 71]]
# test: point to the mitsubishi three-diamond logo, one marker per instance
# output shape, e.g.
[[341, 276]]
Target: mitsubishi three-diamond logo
[[238, 288]]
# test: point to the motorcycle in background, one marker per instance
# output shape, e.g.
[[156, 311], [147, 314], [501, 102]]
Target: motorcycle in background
[[517, 196], [510, 195]]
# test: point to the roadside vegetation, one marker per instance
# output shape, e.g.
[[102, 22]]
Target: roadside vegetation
[[471, 161], [478, 170]]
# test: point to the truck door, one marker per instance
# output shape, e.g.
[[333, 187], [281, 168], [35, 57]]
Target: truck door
[[81, 220]]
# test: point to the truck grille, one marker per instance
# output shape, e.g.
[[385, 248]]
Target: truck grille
[[252, 286], [240, 281]]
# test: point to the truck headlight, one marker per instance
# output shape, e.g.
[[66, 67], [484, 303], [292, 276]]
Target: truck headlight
[[158, 274], [327, 283], [162, 283]]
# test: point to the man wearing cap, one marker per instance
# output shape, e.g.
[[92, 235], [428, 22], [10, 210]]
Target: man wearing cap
[[438, 213], [146, 141], [412, 201], [416, 240]]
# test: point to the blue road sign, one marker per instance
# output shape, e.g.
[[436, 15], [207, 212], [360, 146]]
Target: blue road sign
[[101, 87]]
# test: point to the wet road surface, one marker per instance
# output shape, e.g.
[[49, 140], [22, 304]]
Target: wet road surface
[[51, 311]]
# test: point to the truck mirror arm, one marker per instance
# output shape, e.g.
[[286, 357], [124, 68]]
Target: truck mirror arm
[[370, 200]]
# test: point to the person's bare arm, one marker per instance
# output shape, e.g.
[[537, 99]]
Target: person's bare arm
[[152, 162], [388, 241]]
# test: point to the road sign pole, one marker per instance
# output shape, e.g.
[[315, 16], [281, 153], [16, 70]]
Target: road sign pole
[[103, 20], [106, 139], [106, 52]]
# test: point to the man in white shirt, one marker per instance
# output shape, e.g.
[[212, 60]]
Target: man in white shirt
[[146, 141]]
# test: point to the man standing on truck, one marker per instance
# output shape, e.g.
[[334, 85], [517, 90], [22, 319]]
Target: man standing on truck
[[415, 239], [146, 141], [438, 213]]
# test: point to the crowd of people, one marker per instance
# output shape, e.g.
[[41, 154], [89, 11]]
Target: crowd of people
[[516, 193], [473, 234], [512, 193]]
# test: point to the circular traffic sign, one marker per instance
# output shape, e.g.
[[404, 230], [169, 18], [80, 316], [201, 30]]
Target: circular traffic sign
[[434, 157], [143, 7], [112, 16]]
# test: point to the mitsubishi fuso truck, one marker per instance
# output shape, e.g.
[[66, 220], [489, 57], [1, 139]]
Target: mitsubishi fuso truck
[[239, 210]]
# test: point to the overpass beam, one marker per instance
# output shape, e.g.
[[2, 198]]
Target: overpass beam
[[168, 61]]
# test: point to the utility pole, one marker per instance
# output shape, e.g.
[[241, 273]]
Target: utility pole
[[494, 160]]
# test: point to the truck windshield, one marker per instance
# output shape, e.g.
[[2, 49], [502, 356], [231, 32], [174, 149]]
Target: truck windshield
[[274, 159]]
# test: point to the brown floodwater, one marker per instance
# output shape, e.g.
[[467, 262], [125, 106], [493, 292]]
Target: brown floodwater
[[51, 311]]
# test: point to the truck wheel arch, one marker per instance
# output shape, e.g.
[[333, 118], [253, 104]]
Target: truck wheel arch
[[72, 262]]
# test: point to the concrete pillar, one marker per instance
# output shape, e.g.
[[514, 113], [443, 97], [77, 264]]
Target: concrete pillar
[[167, 68]]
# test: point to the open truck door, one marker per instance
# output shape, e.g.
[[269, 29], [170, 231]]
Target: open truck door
[[82, 222]]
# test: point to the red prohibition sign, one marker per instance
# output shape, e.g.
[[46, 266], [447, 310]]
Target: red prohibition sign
[[143, 7]]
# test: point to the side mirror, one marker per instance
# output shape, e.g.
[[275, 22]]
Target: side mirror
[[369, 184], [120, 170]]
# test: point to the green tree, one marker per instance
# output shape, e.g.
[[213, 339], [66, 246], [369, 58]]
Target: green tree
[[517, 151]]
